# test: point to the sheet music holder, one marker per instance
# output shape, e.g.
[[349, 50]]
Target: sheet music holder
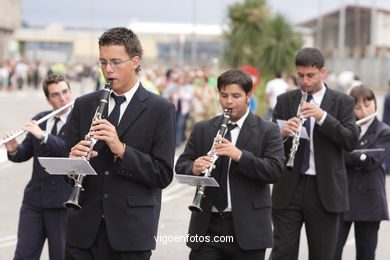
[[65, 166], [193, 180], [368, 150]]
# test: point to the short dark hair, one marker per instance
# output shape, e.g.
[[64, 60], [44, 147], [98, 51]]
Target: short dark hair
[[362, 92], [51, 79], [235, 76], [310, 57], [124, 37]]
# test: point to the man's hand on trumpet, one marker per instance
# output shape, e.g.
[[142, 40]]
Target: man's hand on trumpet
[[34, 129], [31, 127], [11, 145]]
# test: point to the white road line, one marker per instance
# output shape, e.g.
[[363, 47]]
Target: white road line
[[12, 243], [174, 187], [166, 198], [8, 241], [5, 239], [5, 165], [3, 155]]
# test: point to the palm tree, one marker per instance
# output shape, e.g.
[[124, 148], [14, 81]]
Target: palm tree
[[279, 46], [255, 38], [247, 20]]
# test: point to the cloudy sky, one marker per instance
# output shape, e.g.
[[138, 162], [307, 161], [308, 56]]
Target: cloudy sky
[[108, 13]]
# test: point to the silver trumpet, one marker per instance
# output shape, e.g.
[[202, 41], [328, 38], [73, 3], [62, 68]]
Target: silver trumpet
[[195, 206], [297, 134], [73, 201], [43, 119], [365, 119]]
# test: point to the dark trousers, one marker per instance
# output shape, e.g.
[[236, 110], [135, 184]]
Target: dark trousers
[[366, 237], [35, 225], [321, 226], [102, 250], [229, 250]]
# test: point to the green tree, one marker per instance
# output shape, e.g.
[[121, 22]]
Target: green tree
[[246, 26], [279, 46], [256, 38]]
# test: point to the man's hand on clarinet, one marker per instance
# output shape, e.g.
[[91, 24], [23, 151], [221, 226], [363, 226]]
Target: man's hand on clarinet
[[291, 127], [105, 131], [81, 150], [201, 164], [227, 148]]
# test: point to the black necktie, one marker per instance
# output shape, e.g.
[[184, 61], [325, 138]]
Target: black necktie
[[54, 129], [114, 116], [221, 197], [306, 145]]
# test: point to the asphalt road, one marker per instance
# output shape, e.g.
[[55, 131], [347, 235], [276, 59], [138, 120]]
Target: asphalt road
[[19, 106]]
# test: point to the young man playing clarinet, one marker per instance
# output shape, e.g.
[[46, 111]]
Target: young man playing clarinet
[[314, 190], [133, 158], [250, 158]]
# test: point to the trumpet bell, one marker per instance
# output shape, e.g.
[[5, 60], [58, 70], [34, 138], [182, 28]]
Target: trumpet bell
[[73, 202], [195, 206], [72, 205]]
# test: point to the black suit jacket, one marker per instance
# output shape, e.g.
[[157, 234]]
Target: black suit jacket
[[366, 176], [127, 192], [261, 163], [337, 132], [43, 190]]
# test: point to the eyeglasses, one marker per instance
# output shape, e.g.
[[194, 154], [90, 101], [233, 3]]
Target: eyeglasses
[[113, 63], [65, 92]]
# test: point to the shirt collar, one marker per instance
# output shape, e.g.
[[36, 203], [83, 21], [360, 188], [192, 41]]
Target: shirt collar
[[365, 127], [240, 121], [129, 94], [319, 95], [64, 116]]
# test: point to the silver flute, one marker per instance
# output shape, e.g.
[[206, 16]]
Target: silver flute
[[297, 134], [43, 119], [365, 119]]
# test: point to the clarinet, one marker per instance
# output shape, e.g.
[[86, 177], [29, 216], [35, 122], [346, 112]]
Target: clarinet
[[73, 202], [195, 206], [297, 134]]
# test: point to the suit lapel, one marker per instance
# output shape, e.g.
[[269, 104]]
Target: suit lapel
[[296, 99], [247, 132], [133, 110], [369, 135], [44, 124], [328, 100]]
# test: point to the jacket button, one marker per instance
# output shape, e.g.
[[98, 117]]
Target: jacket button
[[105, 195], [106, 173]]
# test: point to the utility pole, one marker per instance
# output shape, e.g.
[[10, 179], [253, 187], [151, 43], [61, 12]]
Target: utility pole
[[341, 42], [373, 29], [319, 25], [193, 42]]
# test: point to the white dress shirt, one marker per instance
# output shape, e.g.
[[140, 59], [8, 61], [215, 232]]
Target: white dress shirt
[[50, 124], [317, 100], [129, 95], [234, 135]]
